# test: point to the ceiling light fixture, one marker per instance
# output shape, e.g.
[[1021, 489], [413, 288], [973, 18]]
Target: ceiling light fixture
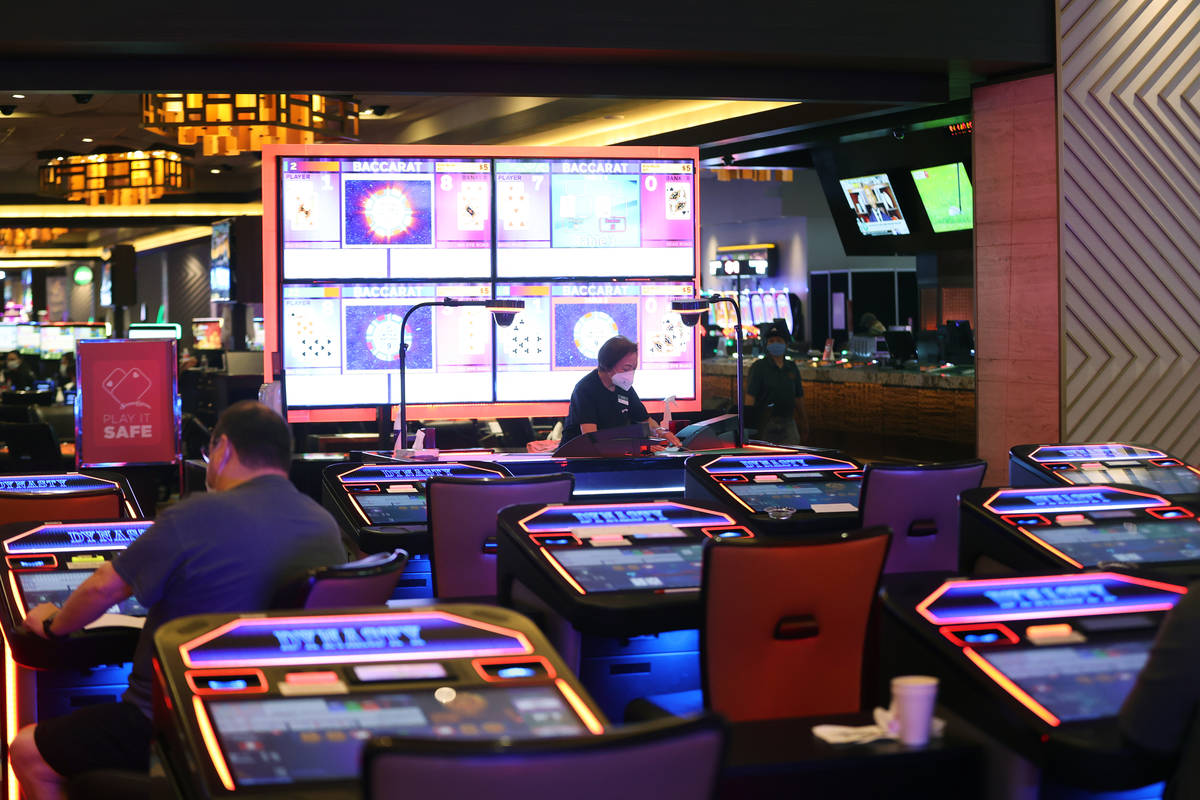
[[87, 140], [18, 97], [115, 178], [228, 124]]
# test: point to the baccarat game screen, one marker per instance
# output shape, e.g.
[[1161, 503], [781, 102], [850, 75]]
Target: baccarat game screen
[[594, 247]]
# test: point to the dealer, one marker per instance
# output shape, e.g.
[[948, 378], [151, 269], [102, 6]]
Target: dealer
[[605, 397]]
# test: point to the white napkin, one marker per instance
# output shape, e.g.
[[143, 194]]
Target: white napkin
[[886, 727]]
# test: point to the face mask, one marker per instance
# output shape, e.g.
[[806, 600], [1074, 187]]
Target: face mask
[[623, 380], [13, 364], [776, 348]]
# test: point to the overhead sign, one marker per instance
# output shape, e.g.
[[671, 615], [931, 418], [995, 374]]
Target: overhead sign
[[127, 410]]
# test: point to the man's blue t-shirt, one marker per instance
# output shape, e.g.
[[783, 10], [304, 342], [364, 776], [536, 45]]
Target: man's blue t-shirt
[[222, 552]]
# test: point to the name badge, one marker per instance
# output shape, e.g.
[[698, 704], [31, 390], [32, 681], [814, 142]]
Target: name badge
[[622, 399]]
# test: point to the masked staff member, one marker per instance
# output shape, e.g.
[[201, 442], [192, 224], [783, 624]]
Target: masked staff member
[[605, 397], [775, 394]]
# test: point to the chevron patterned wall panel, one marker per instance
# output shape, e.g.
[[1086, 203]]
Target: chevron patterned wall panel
[[1129, 182]]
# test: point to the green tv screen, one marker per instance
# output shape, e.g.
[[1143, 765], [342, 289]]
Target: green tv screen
[[946, 192]]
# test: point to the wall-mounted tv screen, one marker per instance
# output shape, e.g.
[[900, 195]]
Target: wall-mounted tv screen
[[206, 333], [155, 330], [864, 219], [873, 201], [219, 263], [946, 194], [596, 241]]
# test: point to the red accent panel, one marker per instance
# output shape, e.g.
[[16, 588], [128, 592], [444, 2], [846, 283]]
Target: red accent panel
[[1177, 512], [1011, 519], [190, 676], [749, 534], [480, 663], [951, 632], [537, 537], [61, 508], [52, 565]]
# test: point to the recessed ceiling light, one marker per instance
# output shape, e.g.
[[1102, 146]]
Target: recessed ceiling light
[[88, 139], [18, 97], [215, 170]]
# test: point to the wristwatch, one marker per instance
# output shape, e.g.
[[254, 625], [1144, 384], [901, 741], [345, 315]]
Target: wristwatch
[[46, 623]]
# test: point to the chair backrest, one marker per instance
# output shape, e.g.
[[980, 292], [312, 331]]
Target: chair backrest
[[920, 504], [462, 525], [369, 581], [785, 623], [31, 445], [664, 760]]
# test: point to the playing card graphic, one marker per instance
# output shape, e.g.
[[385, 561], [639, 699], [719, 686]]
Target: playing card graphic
[[679, 199], [127, 387], [472, 206]]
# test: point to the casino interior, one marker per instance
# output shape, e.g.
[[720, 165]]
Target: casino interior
[[409, 232]]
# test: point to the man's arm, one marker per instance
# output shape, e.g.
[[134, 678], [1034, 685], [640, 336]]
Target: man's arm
[[102, 589]]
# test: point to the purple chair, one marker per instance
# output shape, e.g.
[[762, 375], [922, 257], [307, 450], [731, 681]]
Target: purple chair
[[462, 525], [369, 581], [663, 760], [919, 502]]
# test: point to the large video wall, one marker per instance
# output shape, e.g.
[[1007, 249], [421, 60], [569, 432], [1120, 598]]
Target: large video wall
[[596, 242]]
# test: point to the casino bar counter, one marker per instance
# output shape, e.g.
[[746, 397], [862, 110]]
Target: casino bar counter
[[875, 411]]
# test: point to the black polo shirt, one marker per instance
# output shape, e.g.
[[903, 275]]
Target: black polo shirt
[[774, 388], [592, 402]]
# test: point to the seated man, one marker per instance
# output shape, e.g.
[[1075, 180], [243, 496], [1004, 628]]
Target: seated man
[[229, 550], [1161, 716]]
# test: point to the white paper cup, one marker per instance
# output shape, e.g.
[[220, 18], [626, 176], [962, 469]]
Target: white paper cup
[[913, 698]]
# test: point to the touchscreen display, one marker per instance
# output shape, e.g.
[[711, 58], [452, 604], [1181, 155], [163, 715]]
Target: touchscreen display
[[55, 587], [393, 509], [620, 569], [818, 496], [1075, 682], [290, 739], [1163, 480], [1131, 541]]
